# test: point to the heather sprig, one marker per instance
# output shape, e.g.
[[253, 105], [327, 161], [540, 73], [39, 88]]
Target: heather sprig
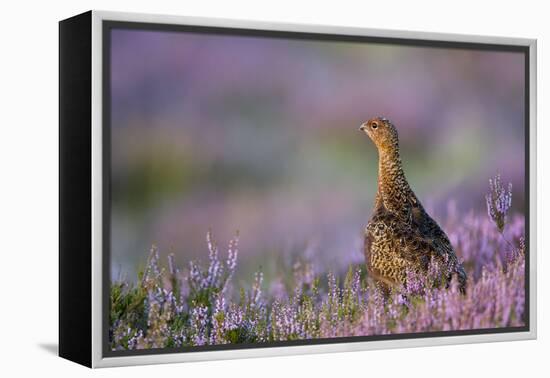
[[499, 201], [206, 284]]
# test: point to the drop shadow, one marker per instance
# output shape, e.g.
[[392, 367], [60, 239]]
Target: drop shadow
[[51, 348]]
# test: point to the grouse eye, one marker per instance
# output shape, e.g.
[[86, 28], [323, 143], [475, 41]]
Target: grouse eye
[[374, 125]]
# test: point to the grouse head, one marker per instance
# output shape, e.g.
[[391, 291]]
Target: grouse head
[[382, 132]]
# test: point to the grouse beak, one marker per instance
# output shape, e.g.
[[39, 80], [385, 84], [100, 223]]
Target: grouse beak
[[362, 127]]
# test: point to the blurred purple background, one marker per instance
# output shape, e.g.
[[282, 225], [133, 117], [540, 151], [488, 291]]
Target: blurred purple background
[[260, 135]]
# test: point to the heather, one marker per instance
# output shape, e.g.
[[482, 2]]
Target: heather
[[201, 304]]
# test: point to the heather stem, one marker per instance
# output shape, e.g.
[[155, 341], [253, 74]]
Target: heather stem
[[507, 241]]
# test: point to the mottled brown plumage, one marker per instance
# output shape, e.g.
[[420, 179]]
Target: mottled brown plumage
[[400, 234]]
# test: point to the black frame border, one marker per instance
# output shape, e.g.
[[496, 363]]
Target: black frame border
[[75, 189], [109, 25]]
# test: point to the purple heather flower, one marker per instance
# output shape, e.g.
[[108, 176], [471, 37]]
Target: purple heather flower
[[232, 254], [199, 321], [218, 274], [414, 283], [134, 340], [255, 298], [214, 268], [152, 270], [195, 276], [216, 335], [207, 310], [499, 201]]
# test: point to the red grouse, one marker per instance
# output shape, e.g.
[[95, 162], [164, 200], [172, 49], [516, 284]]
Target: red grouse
[[400, 235]]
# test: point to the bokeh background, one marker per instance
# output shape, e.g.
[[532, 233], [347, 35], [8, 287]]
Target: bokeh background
[[260, 135]]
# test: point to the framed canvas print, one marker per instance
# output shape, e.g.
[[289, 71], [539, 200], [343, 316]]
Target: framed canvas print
[[234, 189]]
